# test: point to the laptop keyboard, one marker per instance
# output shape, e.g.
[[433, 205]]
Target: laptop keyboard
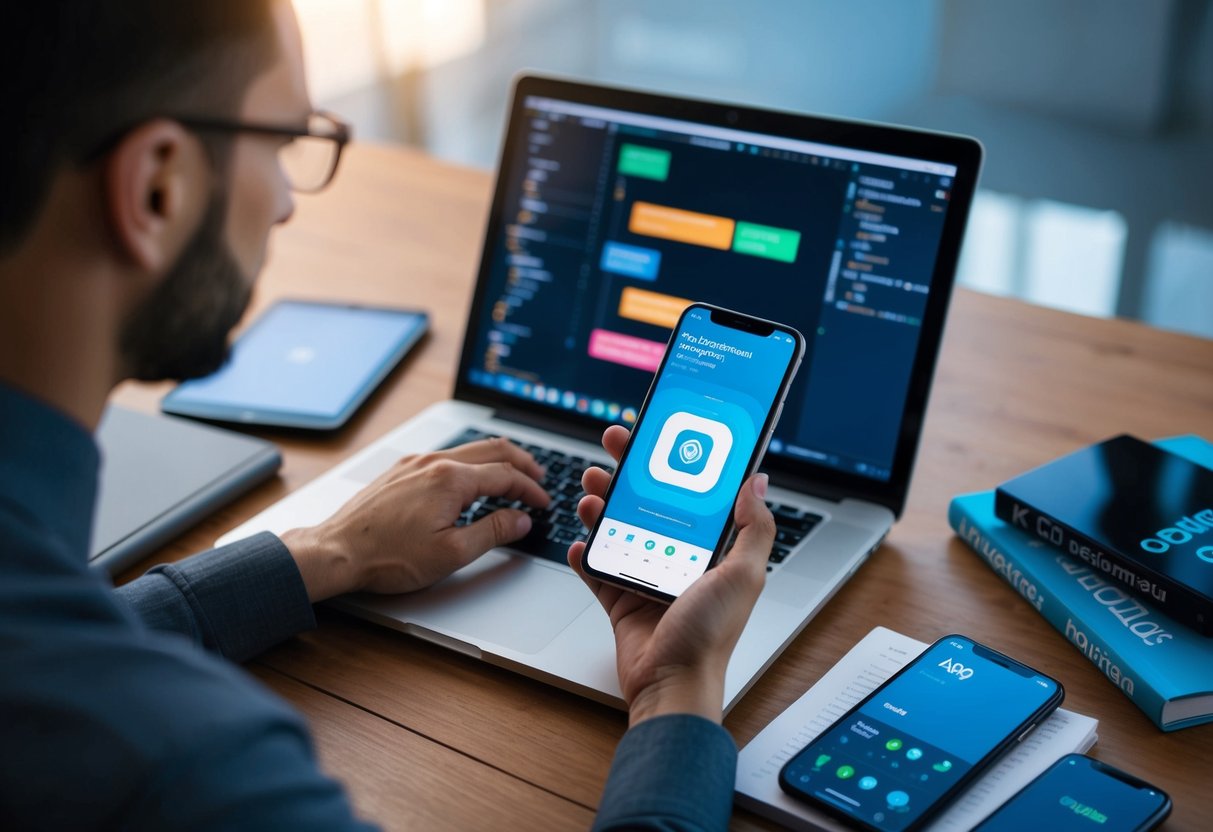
[[554, 528]]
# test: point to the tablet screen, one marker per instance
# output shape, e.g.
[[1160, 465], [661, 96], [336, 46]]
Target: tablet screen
[[302, 364]]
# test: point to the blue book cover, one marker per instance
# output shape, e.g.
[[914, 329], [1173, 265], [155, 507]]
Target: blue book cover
[[1163, 666]]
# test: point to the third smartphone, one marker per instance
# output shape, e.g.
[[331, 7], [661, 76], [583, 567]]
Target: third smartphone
[[1078, 793], [701, 432], [895, 759]]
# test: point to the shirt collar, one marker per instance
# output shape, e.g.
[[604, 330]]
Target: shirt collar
[[48, 468]]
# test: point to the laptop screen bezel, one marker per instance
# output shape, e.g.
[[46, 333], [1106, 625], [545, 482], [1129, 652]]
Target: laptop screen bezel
[[961, 151]]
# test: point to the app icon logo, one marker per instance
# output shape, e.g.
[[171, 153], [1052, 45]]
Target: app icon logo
[[649, 544], [914, 754], [893, 744], [945, 765], [690, 452], [630, 537], [867, 783], [611, 531], [822, 759], [669, 550], [845, 772]]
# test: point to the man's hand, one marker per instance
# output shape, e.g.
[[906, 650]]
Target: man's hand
[[672, 659], [399, 533]]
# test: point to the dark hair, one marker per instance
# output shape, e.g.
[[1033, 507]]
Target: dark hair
[[80, 74]]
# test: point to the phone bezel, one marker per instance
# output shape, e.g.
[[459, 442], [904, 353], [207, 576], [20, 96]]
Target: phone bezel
[[733, 320], [1011, 738]]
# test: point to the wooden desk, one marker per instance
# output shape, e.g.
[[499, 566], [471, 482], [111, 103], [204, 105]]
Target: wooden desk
[[425, 738]]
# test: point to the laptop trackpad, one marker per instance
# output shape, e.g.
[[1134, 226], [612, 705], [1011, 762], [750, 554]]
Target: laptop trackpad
[[512, 601]]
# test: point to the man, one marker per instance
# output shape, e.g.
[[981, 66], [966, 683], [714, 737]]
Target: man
[[145, 172]]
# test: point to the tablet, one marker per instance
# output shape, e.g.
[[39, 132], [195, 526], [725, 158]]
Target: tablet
[[302, 364]]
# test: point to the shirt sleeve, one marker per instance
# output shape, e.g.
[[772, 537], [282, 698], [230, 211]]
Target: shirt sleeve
[[237, 600], [670, 773]]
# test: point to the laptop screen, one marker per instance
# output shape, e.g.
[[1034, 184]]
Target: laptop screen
[[609, 220]]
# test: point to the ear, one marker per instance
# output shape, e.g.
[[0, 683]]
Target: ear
[[157, 184]]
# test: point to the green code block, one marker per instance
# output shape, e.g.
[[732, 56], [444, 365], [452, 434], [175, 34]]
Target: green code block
[[648, 162], [765, 241]]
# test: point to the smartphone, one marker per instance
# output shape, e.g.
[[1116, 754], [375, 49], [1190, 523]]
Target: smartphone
[[702, 430], [1080, 793], [897, 758], [302, 364]]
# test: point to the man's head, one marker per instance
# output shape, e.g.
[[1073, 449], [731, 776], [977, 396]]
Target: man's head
[[102, 150]]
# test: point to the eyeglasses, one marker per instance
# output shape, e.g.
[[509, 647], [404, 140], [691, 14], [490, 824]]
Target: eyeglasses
[[309, 160]]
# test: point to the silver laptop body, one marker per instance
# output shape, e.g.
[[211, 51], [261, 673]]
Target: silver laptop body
[[611, 208]]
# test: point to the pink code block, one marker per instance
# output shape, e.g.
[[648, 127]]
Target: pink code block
[[626, 350]]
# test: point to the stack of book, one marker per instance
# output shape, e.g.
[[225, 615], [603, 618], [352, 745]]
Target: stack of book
[[1113, 545]]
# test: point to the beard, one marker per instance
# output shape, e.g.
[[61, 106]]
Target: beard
[[181, 330]]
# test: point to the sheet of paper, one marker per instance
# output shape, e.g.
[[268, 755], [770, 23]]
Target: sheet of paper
[[875, 658]]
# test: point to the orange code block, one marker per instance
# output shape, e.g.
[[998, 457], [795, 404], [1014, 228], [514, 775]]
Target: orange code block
[[681, 226]]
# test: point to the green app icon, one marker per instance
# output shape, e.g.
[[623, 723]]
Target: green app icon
[[669, 550], [893, 744], [822, 759], [845, 772], [649, 544], [945, 765]]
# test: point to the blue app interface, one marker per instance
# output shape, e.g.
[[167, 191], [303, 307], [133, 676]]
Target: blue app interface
[[894, 757], [674, 493], [1075, 795]]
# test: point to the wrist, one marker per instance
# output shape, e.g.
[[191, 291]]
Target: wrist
[[326, 570], [685, 691]]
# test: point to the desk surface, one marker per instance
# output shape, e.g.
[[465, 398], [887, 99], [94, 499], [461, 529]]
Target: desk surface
[[423, 737]]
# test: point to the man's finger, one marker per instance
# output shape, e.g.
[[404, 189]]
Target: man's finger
[[756, 526], [501, 479], [496, 529], [595, 481], [499, 449], [589, 508], [614, 440]]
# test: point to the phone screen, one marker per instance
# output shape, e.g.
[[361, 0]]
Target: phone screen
[[1080, 793], [901, 752], [707, 414]]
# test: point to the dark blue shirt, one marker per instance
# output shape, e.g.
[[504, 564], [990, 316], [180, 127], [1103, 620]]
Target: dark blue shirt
[[116, 710]]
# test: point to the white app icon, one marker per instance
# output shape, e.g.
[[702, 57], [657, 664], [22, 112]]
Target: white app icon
[[696, 437]]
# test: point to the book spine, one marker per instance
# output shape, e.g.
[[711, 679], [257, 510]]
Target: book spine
[[999, 553], [1167, 596]]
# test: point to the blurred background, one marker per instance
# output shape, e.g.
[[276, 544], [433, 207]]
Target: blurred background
[[1096, 115]]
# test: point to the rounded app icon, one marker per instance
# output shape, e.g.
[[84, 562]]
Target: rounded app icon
[[867, 783], [649, 544], [897, 799], [845, 772], [690, 452], [913, 753], [893, 744]]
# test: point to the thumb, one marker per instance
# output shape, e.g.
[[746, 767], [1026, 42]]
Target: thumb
[[502, 526], [755, 525]]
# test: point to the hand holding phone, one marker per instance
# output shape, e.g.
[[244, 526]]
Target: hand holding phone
[[898, 757], [1079, 793], [672, 658], [702, 431]]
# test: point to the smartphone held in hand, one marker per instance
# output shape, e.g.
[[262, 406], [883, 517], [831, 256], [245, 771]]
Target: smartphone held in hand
[[702, 431]]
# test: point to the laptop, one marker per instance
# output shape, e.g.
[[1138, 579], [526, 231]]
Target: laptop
[[613, 210]]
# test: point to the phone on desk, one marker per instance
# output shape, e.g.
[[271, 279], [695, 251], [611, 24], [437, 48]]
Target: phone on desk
[[1079, 793], [702, 431], [896, 759], [302, 364]]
